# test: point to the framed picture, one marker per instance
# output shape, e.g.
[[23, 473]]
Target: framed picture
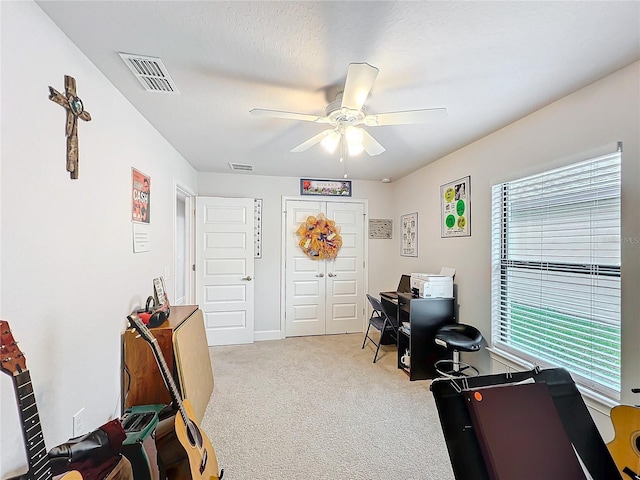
[[332, 188], [409, 229], [140, 197], [160, 291], [455, 201], [380, 228]]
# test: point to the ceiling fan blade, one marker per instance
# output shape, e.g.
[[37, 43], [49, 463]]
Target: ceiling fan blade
[[261, 112], [404, 118], [312, 141], [371, 146], [360, 78]]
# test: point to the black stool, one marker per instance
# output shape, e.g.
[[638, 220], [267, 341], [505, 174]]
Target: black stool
[[459, 338]]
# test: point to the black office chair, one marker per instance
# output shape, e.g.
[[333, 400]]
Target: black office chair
[[382, 322], [457, 337]]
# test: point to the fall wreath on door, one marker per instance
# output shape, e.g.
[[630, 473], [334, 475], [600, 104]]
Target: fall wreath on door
[[319, 237]]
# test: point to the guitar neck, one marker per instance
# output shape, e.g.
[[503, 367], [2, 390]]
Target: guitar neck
[[168, 379], [39, 467]]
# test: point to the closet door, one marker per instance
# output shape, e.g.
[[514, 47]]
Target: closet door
[[345, 274], [304, 277], [324, 296]]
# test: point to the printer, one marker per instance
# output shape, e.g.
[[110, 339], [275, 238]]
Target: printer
[[432, 285]]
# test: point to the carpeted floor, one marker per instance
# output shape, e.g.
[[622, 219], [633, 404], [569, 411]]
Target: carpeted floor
[[317, 407]]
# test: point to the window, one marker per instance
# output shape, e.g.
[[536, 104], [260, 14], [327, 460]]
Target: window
[[556, 271]]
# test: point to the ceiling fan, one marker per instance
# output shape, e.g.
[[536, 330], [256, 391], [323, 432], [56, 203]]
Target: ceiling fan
[[347, 114]]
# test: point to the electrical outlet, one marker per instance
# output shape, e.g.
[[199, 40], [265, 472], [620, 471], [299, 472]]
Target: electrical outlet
[[78, 423]]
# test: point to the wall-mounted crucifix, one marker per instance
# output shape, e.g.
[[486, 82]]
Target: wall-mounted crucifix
[[75, 109]]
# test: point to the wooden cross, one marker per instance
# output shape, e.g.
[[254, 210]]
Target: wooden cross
[[75, 109]]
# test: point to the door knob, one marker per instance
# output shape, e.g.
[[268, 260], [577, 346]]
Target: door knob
[[320, 275], [248, 278], [333, 274]]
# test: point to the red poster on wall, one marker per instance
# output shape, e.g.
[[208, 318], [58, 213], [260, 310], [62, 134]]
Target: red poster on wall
[[141, 202]]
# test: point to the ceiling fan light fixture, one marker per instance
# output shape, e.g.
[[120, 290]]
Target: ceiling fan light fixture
[[354, 137], [330, 141]]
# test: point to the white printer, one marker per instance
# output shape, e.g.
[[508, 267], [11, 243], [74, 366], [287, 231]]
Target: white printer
[[431, 285]]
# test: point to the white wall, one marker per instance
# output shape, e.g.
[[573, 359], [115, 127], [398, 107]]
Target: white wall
[[268, 268], [68, 273], [569, 129], [69, 276]]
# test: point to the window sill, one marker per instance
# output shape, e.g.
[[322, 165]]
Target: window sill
[[592, 399]]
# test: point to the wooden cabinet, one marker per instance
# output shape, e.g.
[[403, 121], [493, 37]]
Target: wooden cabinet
[[425, 317], [183, 343]]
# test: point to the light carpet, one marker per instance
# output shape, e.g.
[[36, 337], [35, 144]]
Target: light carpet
[[317, 407]]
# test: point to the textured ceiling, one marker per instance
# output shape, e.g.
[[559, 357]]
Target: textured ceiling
[[489, 63]]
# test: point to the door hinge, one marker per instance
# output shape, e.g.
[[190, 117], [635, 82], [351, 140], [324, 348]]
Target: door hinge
[[193, 267]]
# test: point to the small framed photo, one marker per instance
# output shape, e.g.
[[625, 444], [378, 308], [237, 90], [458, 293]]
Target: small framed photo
[[332, 188], [409, 229], [455, 207], [160, 291]]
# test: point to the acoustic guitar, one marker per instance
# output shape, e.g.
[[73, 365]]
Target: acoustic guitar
[[12, 362], [625, 446], [201, 456]]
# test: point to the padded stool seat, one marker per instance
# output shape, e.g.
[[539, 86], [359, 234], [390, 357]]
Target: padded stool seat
[[459, 338]]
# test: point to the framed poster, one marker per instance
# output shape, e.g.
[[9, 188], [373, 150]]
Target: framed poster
[[141, 197], [332, 188], [380, 228], [409, 228], [455, 201]]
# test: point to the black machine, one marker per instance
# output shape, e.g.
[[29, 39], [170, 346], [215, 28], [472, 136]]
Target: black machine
[[404, 286]]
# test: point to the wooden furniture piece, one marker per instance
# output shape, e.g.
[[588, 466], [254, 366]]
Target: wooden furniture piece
[[183, 343], [425, 317]]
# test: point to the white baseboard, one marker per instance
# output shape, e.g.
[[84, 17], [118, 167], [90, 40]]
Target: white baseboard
[[267, 335]]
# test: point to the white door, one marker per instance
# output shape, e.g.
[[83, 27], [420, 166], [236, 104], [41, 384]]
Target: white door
[[345, 286], [304, 277], [324, 296], [224, 268]]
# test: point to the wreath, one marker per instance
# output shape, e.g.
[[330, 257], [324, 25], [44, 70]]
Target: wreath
[[319, 237]]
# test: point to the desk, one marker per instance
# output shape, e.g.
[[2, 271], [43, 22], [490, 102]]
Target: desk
[[425, 317]]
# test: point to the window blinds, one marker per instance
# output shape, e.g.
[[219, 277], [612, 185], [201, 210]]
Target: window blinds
[[556, 270]]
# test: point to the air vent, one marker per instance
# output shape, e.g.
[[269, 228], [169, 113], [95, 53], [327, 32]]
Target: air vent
[[151, 73], [240, 167]]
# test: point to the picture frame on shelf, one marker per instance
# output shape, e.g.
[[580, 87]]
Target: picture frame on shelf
[[160, 291]]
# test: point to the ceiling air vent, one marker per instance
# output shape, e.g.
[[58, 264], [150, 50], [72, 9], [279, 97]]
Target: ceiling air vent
[[151, 73], [240, 167]]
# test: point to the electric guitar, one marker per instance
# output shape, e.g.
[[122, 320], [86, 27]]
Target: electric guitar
[[625, 447], [203, 463], [13, 363]]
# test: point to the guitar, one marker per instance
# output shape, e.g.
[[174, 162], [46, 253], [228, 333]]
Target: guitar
[[13, 363], [625, 447], [203, 463]]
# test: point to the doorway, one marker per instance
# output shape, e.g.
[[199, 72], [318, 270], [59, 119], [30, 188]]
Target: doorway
[[324, 296], [183, 249]]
